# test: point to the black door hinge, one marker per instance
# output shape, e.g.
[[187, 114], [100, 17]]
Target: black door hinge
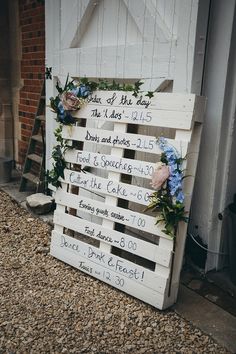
[[48, 73]]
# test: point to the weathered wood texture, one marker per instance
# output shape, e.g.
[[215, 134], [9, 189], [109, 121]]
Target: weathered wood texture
[[120, 244]]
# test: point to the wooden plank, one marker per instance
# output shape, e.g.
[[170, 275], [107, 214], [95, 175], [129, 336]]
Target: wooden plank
[[187, 21], [31, 177], [38, 138], [148, 24], [123, 216], [114, 238], [81, 251], [129, 141], [98, 271], [190, 165], [61, 209], [75, 21], [140, 116], [111, 163], [160, 100], [80, 61], [108, 187], [35, 157]]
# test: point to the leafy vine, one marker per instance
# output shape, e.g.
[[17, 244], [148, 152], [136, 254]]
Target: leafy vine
[[71, 98]]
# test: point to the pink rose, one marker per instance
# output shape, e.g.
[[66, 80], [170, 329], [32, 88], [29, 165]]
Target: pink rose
[[69, 101], [160, 175]]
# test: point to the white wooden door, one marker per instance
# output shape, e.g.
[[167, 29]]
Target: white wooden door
[[152, 40]]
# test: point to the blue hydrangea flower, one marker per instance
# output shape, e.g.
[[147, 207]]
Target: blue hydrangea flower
[[84, 91], [175, 183], [75, 91], [61, 108], [180, 197], [175, 178], [64, 116]]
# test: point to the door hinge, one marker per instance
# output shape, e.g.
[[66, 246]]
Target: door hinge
[[48, 73]]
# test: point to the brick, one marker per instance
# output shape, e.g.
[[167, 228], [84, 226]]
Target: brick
[[26, 127], [29, 109], [27, 121], [25, 139], [34, 96], [32, 20], [25, 132]]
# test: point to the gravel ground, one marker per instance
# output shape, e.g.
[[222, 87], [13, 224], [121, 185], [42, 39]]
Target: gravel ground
[[49, 307]]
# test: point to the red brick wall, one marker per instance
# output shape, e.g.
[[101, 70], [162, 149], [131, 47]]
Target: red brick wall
[[32, 21]]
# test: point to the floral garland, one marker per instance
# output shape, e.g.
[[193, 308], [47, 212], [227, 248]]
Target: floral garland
[[168, 200], [74, 95]]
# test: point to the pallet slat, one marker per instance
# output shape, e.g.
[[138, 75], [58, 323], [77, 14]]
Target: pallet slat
[[160, 101], [108, 187], [140, 116], [111, 163], [112, 139]]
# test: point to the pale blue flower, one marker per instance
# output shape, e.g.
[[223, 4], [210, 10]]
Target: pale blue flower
[[84, 91], [61, 108], [75, 91], [175, 178], [180, 197]]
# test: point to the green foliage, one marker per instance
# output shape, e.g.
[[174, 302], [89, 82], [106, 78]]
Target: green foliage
[[105, 85], [168, 212], [59, 163], [150, 94]]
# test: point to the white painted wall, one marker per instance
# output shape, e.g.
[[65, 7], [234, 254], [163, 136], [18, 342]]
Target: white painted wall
[[210, 187]]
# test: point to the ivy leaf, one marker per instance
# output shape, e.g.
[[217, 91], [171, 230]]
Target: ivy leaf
[[137, 85], [150, 94], [84, 81]]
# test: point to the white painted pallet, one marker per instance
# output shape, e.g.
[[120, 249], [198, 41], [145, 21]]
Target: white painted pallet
[[151, 270]]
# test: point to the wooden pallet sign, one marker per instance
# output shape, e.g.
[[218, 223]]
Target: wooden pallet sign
[[100, 226]]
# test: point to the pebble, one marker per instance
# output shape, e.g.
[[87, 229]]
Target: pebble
[[49, 307]]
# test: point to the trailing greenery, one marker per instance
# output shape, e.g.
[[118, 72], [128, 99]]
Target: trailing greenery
[[168, 212], [105, 85], [58, 155]]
